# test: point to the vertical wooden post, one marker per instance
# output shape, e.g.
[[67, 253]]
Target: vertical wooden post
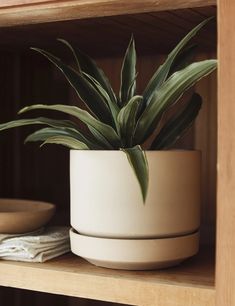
[[225, 271]]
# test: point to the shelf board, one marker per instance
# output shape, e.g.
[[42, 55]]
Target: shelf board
[[190, 284], [155, 33], [19, 12]]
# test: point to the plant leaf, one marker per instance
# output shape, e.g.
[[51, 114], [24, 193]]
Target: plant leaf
[[169, 93], [132, 87], [45, 133], [128, 74], [67, 44], [107, 131], [137, 159], [100, 139], [89, 66], [86, 92], [183, 59], [40, 120], [162, 72], [127, 120], [176, 126], [112, 106], [67, 142]]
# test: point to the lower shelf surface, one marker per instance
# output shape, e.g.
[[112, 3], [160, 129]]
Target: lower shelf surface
[[189, 284]]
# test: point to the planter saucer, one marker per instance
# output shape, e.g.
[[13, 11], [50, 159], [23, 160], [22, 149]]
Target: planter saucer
[[134, 254]]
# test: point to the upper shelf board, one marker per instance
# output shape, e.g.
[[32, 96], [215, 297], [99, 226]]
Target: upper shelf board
[[21, 12], [155, 32], [189, 284]]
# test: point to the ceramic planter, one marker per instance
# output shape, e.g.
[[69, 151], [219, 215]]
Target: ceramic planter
[[106, 201]]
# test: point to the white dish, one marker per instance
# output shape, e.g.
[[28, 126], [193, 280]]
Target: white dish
[[134, 254]]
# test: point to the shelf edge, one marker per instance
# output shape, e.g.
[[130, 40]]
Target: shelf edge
[[82, 9], [105, 288]]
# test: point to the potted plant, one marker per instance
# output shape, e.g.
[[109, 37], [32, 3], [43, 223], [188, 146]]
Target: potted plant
[[132, 206]]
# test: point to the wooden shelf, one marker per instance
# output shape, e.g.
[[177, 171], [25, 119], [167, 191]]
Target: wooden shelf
[[103, 28], [19, 12], [191, 283], [155, 33]]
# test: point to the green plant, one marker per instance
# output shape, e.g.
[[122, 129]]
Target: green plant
[[125, 121]]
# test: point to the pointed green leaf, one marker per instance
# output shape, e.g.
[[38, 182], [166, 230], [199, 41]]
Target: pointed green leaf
[[131, 89], [89, 66], [127, 120], [40, 120], [114, 109], [128, 74], [183, 59], [67, 44], [107, 131], [67, 142], [45, 133], [176, 126], [137, 159], [100, 139], [162, 72], [86, 92], [169, 93]]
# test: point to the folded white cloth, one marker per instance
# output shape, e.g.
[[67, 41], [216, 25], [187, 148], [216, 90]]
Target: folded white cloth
[[38, 246]]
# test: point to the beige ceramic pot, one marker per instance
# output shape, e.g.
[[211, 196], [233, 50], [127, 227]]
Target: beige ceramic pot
[[113, 228], [106, 200]]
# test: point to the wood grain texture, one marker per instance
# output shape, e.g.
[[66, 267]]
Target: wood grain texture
[[225, 273], [190, 284], [205, 140], [11, 3], [155, 33], [26, 13]]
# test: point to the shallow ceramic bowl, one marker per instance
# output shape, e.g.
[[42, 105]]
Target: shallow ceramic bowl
[[22, 216]]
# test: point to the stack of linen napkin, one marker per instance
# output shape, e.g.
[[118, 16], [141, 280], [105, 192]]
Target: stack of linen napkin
[[37, 246]]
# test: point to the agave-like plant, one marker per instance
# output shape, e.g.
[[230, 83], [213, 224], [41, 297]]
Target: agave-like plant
[[127, 120]]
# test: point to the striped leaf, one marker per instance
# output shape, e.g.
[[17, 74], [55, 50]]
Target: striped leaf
[[107, 131], [67, 142], [45, 133], [114, 109], [169, 93], [100, 139], [128, 74], [176, 126], [86, 92], [162, 72], [127, 120], [40, 120], [89, 66], [183, 59], [137, 159], [67, 44]]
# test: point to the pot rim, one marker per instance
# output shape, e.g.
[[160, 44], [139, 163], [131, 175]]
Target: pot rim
[[146, 151]]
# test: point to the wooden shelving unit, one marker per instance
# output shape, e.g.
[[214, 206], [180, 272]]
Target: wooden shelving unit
[[191, 283], [103, 28]]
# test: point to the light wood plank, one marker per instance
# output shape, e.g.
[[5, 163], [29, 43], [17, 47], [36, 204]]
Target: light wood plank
[[225, 274], [26, 13], [10, 3], [191, 284]]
